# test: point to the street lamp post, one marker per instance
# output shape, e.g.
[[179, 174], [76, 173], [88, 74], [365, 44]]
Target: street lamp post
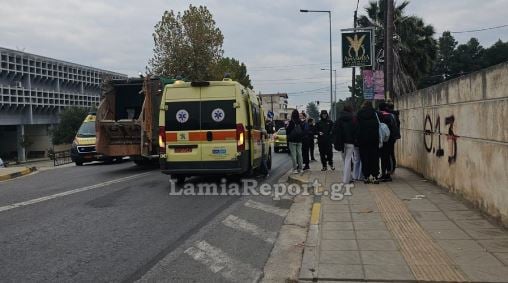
[[331, 67], [334, 88]]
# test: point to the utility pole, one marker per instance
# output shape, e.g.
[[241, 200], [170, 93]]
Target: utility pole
[[353, 79], [388, 67], [271, 100]]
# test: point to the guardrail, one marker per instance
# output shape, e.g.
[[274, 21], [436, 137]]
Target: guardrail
[[62, 157]]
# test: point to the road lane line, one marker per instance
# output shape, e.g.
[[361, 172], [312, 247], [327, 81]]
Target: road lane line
[[239, 224], [79, 190], [220, 262], [266, 208]]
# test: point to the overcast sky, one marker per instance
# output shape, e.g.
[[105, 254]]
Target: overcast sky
[[283, 49]]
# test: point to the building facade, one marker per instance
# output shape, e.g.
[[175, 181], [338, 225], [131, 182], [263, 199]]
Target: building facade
[[276, 103], [33, 90]]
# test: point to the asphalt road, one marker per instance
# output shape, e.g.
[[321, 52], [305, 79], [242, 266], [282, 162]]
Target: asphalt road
[[118, 223]]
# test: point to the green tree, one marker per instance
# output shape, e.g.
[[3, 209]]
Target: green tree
[[444, 68], [187, 44], [312, 110], [496, 54], [468, 57], [236, 70], [70, 121], [414, 47], [357, 93]]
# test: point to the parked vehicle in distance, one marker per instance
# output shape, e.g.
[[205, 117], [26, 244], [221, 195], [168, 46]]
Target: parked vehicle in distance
[[212, 128], [83, 147], [280, 140]]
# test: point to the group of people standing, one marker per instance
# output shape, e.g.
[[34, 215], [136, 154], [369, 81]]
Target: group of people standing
[[359, 136]]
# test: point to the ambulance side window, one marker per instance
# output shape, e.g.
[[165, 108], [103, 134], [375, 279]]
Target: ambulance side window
[[256, 119]]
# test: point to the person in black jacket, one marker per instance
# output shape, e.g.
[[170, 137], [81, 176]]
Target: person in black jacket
[[345, 139], [367, 136], [387, 151], [324, 129], [308, 138], [391, 109], [294, 132], [312, 134]]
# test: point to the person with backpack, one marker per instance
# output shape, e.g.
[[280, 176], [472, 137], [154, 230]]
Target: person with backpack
[[367, 136], [295, 134], [345, 139], [387, 151], [324, 129]]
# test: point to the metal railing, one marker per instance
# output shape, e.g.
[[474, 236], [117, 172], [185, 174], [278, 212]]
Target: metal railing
[[62, 158]]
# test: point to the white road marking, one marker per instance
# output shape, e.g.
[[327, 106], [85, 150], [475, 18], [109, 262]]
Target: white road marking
[[239, 224], [266, 208], [219, 262], [75, 191]]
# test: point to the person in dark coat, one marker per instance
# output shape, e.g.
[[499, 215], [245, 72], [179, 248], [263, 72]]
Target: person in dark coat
[[294, 133], [391, 109], [324, 129], [307, 139], [345, 139], [387, 151], [367, 136], [312, 134]]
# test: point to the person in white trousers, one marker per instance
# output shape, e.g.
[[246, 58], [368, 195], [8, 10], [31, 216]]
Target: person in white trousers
[[345, 133]]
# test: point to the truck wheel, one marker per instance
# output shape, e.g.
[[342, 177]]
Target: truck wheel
[[139, 162], [79, 163], [276, 149]]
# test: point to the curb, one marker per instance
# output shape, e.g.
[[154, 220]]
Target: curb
[[309, 267], [25, 171]]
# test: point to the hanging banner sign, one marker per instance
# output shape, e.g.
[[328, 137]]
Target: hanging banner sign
[[368, 84], [357, 48], [379, 85]]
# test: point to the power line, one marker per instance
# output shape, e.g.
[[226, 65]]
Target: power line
[[286, 66], [482, 29]]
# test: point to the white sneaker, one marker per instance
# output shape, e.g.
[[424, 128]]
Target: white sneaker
[[295, 171]]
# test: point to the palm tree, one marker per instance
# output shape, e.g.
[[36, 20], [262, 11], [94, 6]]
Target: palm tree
[[414, 48]]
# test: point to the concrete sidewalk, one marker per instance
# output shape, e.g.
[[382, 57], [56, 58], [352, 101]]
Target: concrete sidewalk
[[408, 230]]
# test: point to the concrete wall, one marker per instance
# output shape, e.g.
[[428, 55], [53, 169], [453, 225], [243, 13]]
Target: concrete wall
[[456, 134]]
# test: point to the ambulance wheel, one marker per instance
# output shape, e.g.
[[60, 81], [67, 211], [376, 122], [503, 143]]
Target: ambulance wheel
[[180, 179]]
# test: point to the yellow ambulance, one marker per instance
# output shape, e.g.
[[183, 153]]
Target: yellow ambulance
[[212, 128], [83, 146]]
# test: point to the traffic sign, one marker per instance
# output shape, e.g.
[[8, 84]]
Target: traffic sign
[[270, 114]]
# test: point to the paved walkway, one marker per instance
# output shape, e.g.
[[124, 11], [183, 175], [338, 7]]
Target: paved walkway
[[405, 230]]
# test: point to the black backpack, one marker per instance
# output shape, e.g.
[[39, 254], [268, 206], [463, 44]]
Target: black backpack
[[296, 132]]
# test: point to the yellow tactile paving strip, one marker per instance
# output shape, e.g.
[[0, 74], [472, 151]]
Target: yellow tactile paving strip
[[426, 259]]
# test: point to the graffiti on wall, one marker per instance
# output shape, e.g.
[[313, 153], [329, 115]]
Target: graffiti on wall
[[432, 137]]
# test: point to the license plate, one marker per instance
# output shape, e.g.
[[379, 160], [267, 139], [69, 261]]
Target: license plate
[[183, 149], [219, 151]]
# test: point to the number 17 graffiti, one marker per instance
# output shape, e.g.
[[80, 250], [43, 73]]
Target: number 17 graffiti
[[428, 137]]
